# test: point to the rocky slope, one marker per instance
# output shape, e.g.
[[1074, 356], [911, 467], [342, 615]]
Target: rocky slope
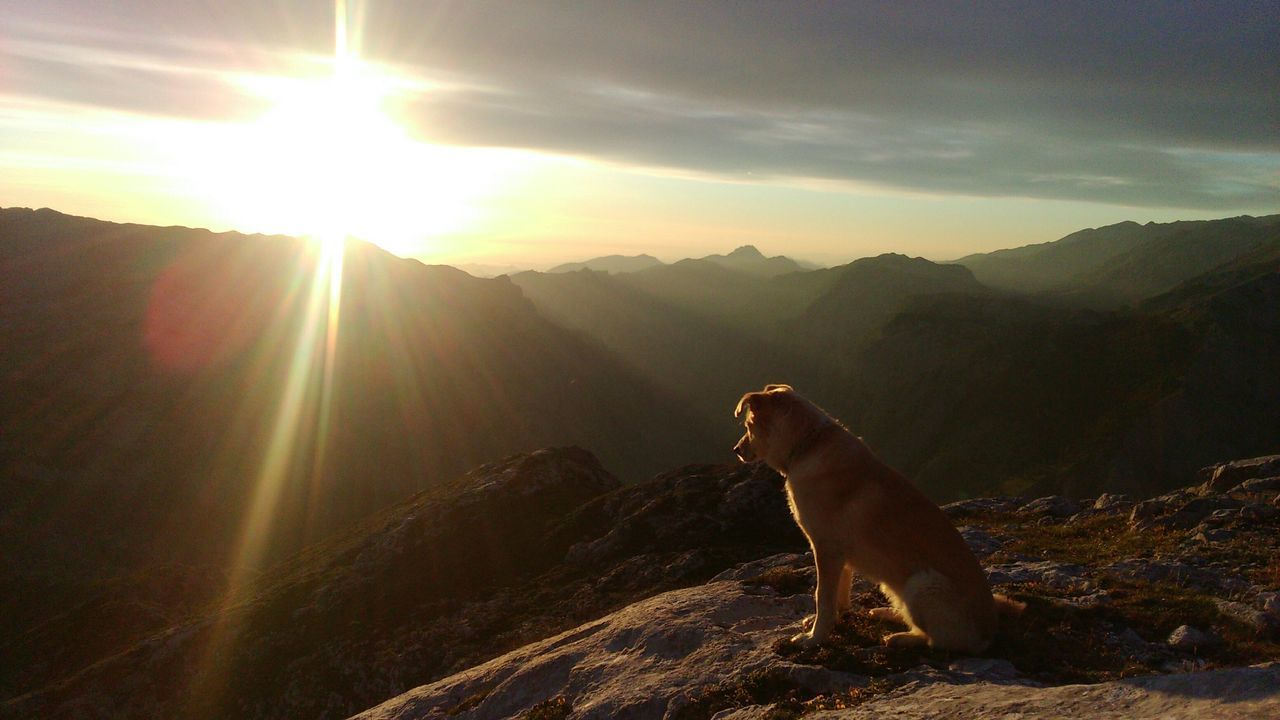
[[673, 598], [1182, 585], [510, 553]]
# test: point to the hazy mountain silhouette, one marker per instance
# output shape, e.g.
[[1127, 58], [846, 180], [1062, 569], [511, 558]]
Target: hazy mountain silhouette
[[1123, 263], [866, 294], [972, 390], [610, 264], [747, 259]]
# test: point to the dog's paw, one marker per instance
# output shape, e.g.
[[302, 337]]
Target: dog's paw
[[908, 639], [805, 640]]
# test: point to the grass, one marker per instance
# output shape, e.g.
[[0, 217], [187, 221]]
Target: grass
[[1094, 541], [470, 702], [557, 708]]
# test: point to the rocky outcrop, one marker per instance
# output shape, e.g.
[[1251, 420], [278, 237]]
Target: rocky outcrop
[[644, 661], [1151, 599], [695, 653]]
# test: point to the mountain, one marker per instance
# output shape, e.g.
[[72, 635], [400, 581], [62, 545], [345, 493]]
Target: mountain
[[610, 264], [711, 332], [868, 293], [747, 259], [539, 584], [489, 270], [163, 389], [1123, 263], [961, 392], [708, 361]]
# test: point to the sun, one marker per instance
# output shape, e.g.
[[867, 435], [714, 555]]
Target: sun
[[329, 159]]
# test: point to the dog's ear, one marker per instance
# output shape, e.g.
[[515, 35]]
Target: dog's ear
[[779, 388], [745, 403]]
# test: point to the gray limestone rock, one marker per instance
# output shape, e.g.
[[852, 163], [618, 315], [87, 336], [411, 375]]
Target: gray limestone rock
[[1233, 694], [1222, 477], [640, 662], [1058, 506], [1188, 638], [1061, 576]]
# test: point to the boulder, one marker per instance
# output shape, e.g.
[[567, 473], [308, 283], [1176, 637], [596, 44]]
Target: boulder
[[1188, 638], [1224, 476]]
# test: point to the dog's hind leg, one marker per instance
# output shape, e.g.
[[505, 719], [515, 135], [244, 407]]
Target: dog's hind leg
[[911, 638], [887, 614], [844, 593]]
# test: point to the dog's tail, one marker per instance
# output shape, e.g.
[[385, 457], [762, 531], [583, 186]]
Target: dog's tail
[[1007, 606]]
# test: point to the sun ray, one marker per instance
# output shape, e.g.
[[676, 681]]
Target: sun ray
[[314, 356]]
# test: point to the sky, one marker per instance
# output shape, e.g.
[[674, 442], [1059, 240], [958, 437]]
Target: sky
[[532, 132]]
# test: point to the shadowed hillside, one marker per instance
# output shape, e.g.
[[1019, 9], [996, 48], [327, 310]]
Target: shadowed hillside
[[1124, 263], [159, 386]]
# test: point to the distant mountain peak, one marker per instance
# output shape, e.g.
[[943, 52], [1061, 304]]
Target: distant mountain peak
[[611, 264], [745, 252]]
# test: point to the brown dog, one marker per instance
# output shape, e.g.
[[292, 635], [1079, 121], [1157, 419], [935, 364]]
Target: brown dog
[[860, 515]]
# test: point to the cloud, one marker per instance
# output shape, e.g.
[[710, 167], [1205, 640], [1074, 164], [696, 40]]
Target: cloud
[[1168, 105]]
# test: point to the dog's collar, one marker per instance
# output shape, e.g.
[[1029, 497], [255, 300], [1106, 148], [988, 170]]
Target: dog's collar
[[806, 444]]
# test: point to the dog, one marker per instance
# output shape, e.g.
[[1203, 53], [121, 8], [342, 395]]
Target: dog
[[862, 516]]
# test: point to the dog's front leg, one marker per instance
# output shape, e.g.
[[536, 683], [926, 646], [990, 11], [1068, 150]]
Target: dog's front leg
[[830, 570]]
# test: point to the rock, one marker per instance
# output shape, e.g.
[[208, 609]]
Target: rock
[[982, 506], [980, 541], [1112, 503], [1220, 478], [753, 569], [750, 712], [1214, 535], [989, 670], [644, 661], [1179, 514], [1178, 573], [1233, 694], [1058, 506], [1258, 485], [1188, 638], [1219, 517], [1061, 576], [1270, 603], [1146, 511], [1257, 620], [1258, 512]]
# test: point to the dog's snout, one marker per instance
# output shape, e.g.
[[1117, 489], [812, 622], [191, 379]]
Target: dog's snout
[[743, 449]]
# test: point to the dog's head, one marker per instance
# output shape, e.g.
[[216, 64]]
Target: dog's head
[[765, 417]]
